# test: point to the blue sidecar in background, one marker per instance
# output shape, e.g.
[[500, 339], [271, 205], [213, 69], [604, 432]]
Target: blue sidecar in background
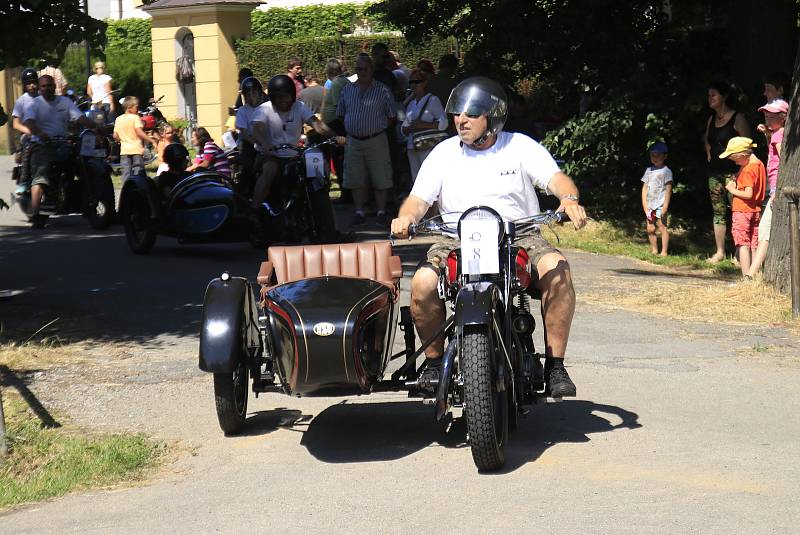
[[202, 208]]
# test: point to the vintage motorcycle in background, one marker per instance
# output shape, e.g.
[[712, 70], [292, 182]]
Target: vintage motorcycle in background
[[81, 181]]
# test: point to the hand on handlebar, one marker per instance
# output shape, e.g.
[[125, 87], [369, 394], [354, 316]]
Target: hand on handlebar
[[574, 211], [400, 227]]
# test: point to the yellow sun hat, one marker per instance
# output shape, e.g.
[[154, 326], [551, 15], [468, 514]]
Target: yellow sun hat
[[737, 144]]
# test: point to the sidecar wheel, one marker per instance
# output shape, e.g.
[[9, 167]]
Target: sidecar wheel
[[230, 393], [138, 225], [485, 406]]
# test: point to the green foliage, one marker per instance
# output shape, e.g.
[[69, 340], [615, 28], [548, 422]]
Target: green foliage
[[131, 71], [129, 34], [311, 21], [39, 31], [48, 462], [268, 58]]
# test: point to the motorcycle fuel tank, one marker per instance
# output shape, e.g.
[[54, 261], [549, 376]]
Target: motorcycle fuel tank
[[332, 335]]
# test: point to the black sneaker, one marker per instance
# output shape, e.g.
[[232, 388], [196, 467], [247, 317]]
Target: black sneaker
[[38, 221], [428, 380], [559, 385], [358, 219]]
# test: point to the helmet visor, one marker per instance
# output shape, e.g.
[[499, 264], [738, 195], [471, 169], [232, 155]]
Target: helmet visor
[[475, 101]]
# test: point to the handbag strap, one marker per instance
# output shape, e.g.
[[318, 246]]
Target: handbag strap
[[419, 117]]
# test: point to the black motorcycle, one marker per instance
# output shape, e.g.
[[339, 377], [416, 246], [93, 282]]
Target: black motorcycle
[[81, 181], [298, 207], [325, 320]]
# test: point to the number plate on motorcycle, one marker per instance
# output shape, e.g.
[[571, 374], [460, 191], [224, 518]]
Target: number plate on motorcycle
[[315, 164], [479, 248]]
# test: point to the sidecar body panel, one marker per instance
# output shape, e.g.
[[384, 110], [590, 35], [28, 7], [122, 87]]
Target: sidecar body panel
[[332, 335], [205, 207]]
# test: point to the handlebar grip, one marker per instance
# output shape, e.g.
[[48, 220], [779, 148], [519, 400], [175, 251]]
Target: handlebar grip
[[562, 217]]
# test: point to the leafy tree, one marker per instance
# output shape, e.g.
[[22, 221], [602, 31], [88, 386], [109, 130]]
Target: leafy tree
[[41, 30], [777, 265]]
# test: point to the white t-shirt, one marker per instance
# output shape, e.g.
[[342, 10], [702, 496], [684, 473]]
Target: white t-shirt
[[244, 120], [501, 177], [656, 180], [432, 111], [52, 117], [98, 85], [22, 104], [284, 127]]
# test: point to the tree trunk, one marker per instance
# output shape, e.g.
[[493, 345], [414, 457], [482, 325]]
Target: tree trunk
[[776, 267]]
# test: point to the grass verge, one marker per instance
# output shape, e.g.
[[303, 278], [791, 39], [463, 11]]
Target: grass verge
[[46, 462], [688, 248]]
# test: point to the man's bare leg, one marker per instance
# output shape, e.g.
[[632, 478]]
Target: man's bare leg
[[427, 309], [264, 182], [558, 308], [37, 192]]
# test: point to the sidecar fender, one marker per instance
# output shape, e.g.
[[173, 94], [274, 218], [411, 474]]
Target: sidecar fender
[[229, 324], [475, 304], [146, 187]]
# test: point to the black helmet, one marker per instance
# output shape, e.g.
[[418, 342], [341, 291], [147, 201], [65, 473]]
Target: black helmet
[[250, 83], [480, 96], [176, 157], [281, 85], [29, 75]]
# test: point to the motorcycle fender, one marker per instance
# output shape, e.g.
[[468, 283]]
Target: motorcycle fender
[[475, 304], [229, 313], [146, 187]]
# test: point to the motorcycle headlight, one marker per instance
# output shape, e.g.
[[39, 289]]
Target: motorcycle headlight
[[484, 214]]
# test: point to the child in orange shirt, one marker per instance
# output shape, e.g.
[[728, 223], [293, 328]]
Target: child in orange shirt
[[748, 192], [129, 131]]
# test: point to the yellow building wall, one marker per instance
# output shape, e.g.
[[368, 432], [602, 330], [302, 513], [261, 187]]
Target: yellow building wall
[[10, 90], [216, 70]]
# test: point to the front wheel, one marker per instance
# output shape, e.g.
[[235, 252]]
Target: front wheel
[[485, 403], [230, 394], [101, 213], [138, 223]]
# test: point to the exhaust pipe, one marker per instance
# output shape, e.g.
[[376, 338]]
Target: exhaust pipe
[[444, 379]]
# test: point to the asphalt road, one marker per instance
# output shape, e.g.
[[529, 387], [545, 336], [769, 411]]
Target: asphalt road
[[679, 427]]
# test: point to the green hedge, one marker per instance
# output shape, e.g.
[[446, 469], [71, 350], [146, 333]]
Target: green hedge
[[311, 21], [131, 71], [268, 58], [129, 34]]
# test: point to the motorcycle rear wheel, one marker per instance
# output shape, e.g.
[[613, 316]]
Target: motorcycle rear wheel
[[136, 220], [485, 406], [102, 214], [230, 395]]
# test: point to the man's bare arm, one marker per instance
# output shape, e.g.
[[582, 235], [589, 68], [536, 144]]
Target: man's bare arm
[[412, 210], [562, 186]]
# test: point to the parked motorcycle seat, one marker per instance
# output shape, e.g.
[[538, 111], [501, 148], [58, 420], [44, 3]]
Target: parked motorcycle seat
[[371, 260]]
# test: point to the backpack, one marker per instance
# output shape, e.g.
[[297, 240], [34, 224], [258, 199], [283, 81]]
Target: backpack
[[184, 69]]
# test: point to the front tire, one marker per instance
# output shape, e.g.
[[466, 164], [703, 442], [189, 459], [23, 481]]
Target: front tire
[[102, 214], [138, 223], [485, 406], [230, 394]]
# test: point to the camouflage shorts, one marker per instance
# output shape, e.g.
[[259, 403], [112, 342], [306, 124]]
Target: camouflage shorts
[[534, 244]]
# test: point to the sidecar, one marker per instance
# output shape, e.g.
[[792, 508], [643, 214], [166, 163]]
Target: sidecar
[[203, 207], [327, 324]]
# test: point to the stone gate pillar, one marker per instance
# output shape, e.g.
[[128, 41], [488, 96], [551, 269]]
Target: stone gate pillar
[[212, 26]]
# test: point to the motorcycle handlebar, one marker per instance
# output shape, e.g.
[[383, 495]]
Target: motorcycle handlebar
[[300, 150]]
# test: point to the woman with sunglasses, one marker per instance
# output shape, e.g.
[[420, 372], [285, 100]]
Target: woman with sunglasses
[[424, 112]]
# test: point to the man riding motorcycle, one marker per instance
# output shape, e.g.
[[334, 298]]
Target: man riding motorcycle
[[30, 82], [47, 118], [483, 165], [280, 121]]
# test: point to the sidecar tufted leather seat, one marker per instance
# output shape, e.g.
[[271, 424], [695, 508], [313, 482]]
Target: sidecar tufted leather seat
[[372, 260]]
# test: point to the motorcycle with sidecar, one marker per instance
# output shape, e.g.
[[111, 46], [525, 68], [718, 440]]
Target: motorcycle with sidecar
[[324, 320]]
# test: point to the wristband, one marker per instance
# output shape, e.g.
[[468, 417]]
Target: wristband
[[570, 197]]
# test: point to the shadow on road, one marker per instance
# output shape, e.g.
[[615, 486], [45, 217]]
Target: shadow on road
[[367, 432]]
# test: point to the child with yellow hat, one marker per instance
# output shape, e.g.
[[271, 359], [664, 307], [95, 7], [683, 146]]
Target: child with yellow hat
[[748, 192]]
